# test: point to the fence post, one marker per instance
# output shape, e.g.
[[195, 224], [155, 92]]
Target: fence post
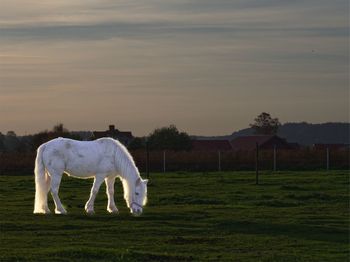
[[219, 161], [274, 158], [327, 158], [147, 159], [163, 161], [257, 165]]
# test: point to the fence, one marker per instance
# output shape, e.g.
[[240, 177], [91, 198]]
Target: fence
[[160, 161], [302, 159]]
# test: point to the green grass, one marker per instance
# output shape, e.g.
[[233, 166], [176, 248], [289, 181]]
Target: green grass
[[290, 216]]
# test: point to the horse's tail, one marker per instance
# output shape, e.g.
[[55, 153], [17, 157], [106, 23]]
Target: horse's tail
[[42, 183]]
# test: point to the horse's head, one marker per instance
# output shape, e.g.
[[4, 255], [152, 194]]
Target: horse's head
[[139, 197]]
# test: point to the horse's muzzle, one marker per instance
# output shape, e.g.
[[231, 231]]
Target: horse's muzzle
[[136, 211]]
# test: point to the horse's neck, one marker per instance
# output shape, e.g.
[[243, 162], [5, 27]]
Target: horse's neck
[[129, 183], [126, 165], [128, 172], [131, 178]]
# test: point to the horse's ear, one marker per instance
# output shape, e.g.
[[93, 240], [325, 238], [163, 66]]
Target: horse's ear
[[145, 181]]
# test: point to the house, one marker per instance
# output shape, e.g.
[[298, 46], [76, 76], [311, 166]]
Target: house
[[264, 141], [211, 145], [83, 135], [124, 137]]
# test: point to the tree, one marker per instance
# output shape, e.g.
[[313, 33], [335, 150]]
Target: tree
[[11, 133], [11, 142], [265, 125], [169, 138], [137, 143], [60, 129], [57, 131], [2, 146]]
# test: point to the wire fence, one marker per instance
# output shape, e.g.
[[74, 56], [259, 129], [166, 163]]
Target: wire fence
[[275, 160], [164, 161]]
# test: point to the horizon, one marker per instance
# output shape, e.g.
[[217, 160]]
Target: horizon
[[181, 130], [210, 67]]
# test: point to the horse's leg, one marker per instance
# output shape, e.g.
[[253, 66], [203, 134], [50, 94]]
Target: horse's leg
[[55, 184], [48, 181], [111, 207], [89, 206]]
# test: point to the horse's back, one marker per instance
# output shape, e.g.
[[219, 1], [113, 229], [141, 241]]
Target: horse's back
[[80, 158], [67, 143]]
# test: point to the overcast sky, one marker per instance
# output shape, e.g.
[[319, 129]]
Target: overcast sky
[[209, 67]]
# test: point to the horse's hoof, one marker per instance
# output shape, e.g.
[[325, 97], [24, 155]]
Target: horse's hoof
[[44, 212], [60, 212], [90, 212], [113, 210]]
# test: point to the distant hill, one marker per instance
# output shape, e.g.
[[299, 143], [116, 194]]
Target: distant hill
[[308, 134], [302, 133]]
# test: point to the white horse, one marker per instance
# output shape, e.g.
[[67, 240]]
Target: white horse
[[103, 159]]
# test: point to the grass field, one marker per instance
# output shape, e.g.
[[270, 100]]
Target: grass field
[[291, 216]]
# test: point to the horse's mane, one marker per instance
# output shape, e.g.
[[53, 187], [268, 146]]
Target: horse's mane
[[128, 171], [124, 160]]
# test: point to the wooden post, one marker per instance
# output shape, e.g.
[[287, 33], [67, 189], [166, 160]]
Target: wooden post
[[274, 158], [257, 165], [163, 161], [219, 161], [147, 159], [327, 151]]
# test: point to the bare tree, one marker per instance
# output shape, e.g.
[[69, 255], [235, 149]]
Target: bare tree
[[264, 124]]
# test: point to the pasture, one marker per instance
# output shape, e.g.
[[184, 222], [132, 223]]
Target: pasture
[[290, 216]]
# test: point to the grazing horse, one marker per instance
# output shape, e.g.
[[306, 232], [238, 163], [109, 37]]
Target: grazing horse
[[103, 159]]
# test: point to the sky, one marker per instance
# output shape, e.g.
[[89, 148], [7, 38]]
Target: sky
[[209, 67]]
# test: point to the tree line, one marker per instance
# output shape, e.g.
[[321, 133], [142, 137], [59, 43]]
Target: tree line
[[165, 138], [13, 143]]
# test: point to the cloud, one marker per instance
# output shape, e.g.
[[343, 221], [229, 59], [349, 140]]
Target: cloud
[[142, 63], [34, 13]]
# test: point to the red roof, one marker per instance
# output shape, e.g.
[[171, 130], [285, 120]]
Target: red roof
[[99, 134], [211, 145], [113, 132]]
